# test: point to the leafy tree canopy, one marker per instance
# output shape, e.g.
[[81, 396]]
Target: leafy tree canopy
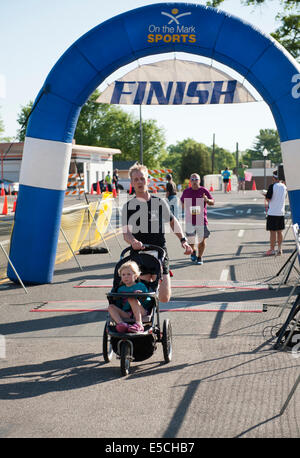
[[267, 139], [111, 127]]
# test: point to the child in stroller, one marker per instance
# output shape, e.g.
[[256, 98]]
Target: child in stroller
[[126, 307], [131, 331]]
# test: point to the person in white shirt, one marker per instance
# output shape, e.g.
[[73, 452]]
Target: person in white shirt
[[275, 197]]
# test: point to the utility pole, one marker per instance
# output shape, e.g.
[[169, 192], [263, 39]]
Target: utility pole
[[237, 155], [141, 136], [213, 156]]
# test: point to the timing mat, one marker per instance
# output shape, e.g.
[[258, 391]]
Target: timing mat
[[172, 306], [97, 283]]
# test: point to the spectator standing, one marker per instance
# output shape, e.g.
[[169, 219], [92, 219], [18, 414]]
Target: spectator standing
[[171, 195], [275, 198], [194, 201], [115, 179], [108, 181], [241, 177]]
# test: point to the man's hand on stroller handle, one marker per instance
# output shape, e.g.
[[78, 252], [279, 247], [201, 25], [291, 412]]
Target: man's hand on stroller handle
[[137, 245]]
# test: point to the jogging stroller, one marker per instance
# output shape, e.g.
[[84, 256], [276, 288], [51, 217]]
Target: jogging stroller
[[138, 346]]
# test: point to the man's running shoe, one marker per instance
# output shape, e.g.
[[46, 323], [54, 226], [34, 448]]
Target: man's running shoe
[[200, 261], [194, 256]]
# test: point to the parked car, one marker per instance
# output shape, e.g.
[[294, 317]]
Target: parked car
[[14, 186], [124, 184]]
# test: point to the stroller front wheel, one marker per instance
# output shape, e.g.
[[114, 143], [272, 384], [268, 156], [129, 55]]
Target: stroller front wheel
[[107, 347], [167, 341], [125, 356]]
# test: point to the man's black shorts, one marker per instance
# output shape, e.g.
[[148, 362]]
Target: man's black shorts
[[275, 223], [165, 265]]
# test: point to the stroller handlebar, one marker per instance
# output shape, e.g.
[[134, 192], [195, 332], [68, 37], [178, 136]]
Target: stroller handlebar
[[161, 252]]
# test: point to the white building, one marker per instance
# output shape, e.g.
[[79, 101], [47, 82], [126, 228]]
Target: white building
[[91, 162]]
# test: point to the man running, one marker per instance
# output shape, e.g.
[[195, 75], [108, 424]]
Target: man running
[[194, 201], [143, 221]]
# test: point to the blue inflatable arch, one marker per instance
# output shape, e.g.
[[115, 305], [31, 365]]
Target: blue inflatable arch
[[154, 29]]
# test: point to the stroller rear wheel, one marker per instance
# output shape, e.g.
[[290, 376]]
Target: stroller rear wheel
[[107, 347], [125, 356], [167, 340]]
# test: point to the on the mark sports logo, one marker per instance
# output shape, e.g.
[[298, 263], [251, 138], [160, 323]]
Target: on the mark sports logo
[[173, 31]]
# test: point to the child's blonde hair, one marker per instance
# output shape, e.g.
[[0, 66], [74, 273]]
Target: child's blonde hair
[[131, 265]]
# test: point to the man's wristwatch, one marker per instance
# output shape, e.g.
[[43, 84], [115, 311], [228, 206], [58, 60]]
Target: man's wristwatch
[[183, 239]]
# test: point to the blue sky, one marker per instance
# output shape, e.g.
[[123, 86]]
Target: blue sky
[[35, 33]]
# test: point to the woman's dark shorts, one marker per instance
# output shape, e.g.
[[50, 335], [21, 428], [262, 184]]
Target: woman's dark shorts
[[275, 223]]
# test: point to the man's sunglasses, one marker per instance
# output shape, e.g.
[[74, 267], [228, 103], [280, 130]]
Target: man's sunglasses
[[194, 179]]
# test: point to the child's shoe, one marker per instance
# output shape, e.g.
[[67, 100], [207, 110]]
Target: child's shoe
[[270, 253], [136, 327], [122, 327]]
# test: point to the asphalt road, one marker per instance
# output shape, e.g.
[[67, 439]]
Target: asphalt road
[[225, 378]]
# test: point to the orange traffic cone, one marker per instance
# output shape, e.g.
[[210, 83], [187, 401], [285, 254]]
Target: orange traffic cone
[[92, 190], [98, 188], [253, 186], [229, 186], [114, 190], [2, 190], [4, 210], [211, 188]]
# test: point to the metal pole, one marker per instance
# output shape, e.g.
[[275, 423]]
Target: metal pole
[[12, 266], [213, 156], [141, 136], [237, 156], [65, 237], [99, 229]]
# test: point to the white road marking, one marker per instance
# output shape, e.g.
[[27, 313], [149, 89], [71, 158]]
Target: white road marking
[[241, 233], [224, 274]]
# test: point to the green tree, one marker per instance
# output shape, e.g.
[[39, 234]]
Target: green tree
[[111, 127], [22, 119], [223, 158], [267, 139], [173, 159], [195, 159], [288, 34], [2, 130]]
